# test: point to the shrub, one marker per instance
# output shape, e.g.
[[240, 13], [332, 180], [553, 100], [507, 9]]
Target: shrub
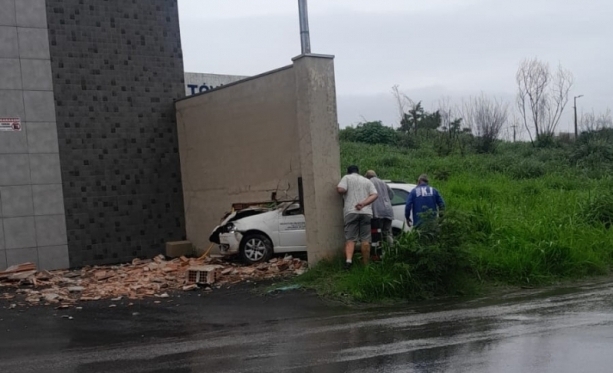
[[591, 154], [348, 134], [527, 169], [391, 160], [370, 133], [426, 262], [432, 258], [599, 210], [501, 164]]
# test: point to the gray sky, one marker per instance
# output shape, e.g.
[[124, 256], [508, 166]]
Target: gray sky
[[430, 48]]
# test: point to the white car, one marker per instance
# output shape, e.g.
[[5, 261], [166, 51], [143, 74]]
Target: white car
[[256, 233]]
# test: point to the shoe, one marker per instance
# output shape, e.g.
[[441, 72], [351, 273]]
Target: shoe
[[347, 266]]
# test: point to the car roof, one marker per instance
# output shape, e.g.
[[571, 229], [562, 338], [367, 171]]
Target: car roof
[[401, 185]]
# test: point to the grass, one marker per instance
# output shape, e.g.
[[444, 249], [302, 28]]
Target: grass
[[522, 216]]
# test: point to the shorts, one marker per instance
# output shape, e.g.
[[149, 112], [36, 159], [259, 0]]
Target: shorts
[[357, 227]]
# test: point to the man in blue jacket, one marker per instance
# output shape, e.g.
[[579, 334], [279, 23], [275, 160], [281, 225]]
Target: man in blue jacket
[[424, 202]]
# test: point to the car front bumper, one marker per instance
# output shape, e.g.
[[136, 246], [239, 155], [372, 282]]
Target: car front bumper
[[229, 243]]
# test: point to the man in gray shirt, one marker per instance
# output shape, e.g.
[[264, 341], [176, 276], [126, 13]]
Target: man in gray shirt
[[358, 193], [382, 207]]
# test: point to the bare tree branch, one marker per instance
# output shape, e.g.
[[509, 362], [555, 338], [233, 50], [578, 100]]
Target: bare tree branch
[[486, 118], [592, 122], [403, 102], [542, 97]]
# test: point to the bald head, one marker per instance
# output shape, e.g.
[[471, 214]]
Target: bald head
[[370, 174]]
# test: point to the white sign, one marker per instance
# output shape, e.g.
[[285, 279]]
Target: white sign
[[10, 124], [198, 83]]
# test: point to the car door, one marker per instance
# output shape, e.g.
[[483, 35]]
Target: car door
[[398, 203], [292, 234]]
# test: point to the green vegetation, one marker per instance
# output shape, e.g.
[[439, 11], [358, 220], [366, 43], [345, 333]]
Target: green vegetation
[[522, 215]]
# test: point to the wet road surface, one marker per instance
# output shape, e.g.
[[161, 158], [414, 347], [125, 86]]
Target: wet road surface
[[564, 330]]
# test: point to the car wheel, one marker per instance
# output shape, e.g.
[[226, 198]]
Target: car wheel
[[396, 232], [255, 248]]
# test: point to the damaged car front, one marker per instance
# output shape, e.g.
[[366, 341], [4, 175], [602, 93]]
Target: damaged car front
[[229, 233], [256, 233]]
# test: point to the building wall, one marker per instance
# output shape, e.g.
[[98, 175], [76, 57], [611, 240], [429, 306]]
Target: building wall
[[117, 67], [32, 221], [199, 82], [238, 143], [247, 139], [320, 155]]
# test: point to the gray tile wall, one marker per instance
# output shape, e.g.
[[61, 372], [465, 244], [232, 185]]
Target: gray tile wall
[[32, 218], [117, 67]]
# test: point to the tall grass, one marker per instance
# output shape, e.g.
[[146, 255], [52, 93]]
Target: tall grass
[[521, 216]]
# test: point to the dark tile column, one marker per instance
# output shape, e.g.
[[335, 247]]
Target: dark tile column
[[117, 67]]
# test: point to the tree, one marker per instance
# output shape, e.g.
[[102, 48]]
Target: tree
[[431, 121], [411, 112], [542, 96], [412, 118], [592, 122], [514, 130], [369, 133], [401, 101], [486, 118], [454, 136]]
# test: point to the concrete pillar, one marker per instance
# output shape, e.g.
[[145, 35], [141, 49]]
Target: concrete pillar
[[319, 154]]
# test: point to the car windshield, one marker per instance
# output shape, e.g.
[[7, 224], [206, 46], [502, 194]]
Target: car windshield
[[293, 209]]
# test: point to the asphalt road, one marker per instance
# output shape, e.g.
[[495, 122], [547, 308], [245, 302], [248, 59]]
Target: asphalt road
[[564, 330]]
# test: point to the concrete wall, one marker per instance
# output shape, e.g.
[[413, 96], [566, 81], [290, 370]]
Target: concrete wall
[[117, 69], [240, 142], [319, 155], [32, 221], [237, 144]]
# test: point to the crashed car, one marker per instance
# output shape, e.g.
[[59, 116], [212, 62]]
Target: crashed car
[[256, 233]]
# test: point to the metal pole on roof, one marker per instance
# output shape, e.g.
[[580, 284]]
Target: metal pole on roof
[[305, 37]]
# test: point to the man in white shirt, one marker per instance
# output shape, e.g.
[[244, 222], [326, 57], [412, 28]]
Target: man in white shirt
[[358, 193]]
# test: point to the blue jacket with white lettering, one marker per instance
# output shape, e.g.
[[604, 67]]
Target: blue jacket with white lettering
[[422, 200]]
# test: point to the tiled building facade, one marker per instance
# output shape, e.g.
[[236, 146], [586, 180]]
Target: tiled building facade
[[93, 175]]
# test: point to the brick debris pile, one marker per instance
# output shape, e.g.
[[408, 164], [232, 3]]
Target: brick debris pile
[[137, 280]]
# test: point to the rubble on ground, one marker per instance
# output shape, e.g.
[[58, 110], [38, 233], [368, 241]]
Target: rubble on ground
[[137, 280]]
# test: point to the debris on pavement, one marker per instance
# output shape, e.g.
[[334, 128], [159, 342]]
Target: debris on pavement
[[18, 272], [150, 278]]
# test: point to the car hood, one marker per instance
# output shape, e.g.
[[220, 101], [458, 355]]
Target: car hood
[[244, 217], [237, 215]]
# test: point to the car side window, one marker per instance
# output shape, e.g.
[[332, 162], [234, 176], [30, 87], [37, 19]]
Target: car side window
[[400, 197], [293, 210]]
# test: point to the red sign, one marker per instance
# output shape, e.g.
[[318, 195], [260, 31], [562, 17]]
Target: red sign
[[10, 124]]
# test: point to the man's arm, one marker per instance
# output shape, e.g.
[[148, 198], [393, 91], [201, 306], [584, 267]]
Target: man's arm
[[341, 188], [390, 192], [371, 198], [439, 201], [409, 207]]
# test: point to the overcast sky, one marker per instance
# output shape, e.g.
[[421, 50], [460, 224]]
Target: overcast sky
[[430, 48]]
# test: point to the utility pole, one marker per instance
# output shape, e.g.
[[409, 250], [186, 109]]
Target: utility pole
[[576, 127], [305, 38]]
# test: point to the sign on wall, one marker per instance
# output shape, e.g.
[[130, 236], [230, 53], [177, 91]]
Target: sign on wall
[[198, 83], [10, 124]]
